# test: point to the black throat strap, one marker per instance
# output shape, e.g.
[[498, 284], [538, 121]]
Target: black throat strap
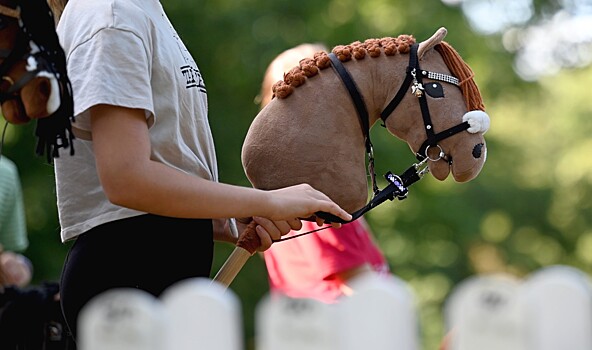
[[356, 97], [363, 116]]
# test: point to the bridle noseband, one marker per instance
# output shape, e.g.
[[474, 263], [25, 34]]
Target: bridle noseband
[[398, 184]]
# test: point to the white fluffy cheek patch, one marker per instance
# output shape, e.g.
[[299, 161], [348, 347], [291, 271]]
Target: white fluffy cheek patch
[[478, 121], [53, 101]]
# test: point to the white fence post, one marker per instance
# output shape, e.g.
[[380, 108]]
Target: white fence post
[[559, 303], [549, 310], [485, 313], [203, 315], [123, 319], [380, 315], [284, 323]]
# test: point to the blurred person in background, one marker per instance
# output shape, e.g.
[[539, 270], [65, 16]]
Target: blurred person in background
[[30, 316], [15, 268]]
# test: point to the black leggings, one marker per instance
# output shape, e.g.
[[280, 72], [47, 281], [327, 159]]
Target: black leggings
[[148, 252]]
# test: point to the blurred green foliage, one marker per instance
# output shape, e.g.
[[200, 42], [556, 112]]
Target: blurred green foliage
[[530, 207]]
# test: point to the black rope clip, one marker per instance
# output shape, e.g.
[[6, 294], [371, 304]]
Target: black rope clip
[[399, 191]]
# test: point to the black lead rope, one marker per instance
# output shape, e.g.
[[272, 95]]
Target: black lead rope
[[397, 188], [300, 234]]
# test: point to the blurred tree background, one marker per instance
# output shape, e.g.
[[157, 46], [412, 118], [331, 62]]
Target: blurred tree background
[[530, 207]]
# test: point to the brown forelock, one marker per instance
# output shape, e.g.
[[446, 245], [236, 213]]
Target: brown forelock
[[460, 69], [356, 50]]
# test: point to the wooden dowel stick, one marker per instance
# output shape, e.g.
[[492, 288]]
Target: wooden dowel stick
[[246, 246], [232, 266]]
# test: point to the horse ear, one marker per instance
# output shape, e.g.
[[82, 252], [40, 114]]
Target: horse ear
[[424, 46]]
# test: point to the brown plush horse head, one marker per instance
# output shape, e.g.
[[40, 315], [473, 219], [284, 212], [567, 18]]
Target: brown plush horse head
[[310, 131], [34, 82]]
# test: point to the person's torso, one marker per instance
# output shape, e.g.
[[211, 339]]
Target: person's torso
[[127, 53]]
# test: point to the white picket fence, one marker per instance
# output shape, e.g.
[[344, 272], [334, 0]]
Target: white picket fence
[[550, 310]]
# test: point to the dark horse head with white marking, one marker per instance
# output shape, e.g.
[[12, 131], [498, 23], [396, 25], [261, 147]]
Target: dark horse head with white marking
[[34, 83]]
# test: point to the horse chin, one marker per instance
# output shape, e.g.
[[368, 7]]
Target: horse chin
[[466, 174], [440, 170], [13, 113]]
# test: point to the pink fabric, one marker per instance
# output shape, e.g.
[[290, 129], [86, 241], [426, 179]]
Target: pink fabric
[[305, 267]]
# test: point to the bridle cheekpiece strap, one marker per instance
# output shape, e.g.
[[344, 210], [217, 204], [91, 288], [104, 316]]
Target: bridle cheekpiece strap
[[415, 81]]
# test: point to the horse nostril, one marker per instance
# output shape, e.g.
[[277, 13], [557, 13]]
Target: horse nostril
[[478, 150], [45, 88]]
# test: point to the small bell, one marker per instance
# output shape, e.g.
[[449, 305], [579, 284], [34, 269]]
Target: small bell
[[417, 89]]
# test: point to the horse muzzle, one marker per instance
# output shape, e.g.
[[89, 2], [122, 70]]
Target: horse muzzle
[[465, 163], [34, 101]]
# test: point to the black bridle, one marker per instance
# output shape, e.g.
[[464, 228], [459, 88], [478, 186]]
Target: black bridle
[[398, 184], [37, 43], [414, 78]]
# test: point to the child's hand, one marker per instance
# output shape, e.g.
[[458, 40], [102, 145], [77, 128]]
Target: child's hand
[[270, 231], [302, 201]]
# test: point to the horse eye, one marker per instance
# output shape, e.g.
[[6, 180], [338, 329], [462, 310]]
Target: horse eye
[[434, 89]]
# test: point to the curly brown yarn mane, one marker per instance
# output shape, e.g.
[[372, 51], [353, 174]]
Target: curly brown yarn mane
[[309, 67]]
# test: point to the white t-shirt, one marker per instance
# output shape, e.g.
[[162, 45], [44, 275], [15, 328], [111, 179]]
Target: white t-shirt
[[127, 53]]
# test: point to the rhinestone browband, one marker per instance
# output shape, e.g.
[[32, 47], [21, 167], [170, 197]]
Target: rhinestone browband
[[440, 76]]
